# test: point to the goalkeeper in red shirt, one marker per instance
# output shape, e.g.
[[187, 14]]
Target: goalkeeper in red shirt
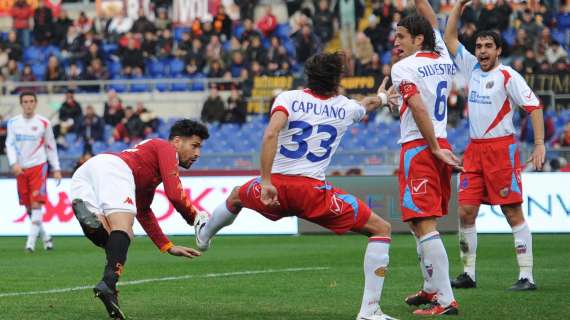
[[110, 190]]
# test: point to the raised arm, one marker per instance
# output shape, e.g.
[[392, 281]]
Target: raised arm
[[450, 38], [425, 10]]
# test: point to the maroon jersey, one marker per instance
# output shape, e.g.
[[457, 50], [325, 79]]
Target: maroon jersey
[[154, 161]]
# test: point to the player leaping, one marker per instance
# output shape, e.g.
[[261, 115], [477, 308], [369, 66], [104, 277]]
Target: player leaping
[[110, 190], [305, 129], [30, 144], [423, 77], [491, 160]]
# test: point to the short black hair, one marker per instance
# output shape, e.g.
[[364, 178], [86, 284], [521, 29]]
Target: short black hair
[[28, 93], [418, 25], [187, 128], [323, 71], [490, 34]]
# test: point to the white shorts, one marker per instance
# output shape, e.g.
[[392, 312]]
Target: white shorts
[[106, 184]]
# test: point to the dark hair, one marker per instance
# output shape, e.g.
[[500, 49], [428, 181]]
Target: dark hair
[[324, 71], [490, 34], [188, 128], [418, 25], [28, 93]]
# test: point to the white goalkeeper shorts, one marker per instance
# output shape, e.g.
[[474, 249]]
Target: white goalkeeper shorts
[[106, 184]]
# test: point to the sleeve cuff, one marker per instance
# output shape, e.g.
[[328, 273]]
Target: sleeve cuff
[[530, 109], [280, 108], [166, 247]]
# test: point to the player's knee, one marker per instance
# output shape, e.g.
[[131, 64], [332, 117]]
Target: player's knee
[[233, 203], [513, 213], [378, 226], [468, 214]]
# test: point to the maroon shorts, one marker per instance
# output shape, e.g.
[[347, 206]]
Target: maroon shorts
[[492, 172], [313, 200], [32, 185], [425, 181]]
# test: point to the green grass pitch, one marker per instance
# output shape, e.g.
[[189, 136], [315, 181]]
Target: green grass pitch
[[239, 285]]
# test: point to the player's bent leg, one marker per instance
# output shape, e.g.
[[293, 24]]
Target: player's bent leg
[[93, 228], [436, 263], [467, 246], [376, 261], [224, 215], [121, 224], [523, 247]]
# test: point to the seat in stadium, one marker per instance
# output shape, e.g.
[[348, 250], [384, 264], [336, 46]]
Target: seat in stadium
[[99, 147], [163, 86], [139, 87], [114, 67], [119, 87], [157, 67], [39, 70], [176, 67]]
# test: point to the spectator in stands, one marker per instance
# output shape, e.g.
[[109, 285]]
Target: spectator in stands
[[21, 13], [132, 57], [207, 31], [323, 20], [97, 71], [384, 10], [246, 8], [54, 73], [3, 58], [268, 23], [363, 51], [13, 47], [3, 134], [215, 69], [142, 24], [213, 109], [83, 23], [73, 74], [43, 24], [119, 25], [10, 72], [191, 70], [255, 51], [149, 119], [471, 13], [285, 69], [60, 26], [377, 35], [350, 63], [196, 28], [148, 45], [93, 52], [257, 70], [130, 129], [564, 139], [276, 52], [237, 64], [236, 109], [246, 83], [519, 66], [184, 46], [306, 44], [113, 109], [495, 16], [165, 45], [92, 128], [522, 44], [374, 68], [162, 21], [214, 48], [527, 132], [455, 106], [27, 76], [235, 45], [555, 52], [70, 115], [197, 53], [248, 31], [223, 23], [529, 24], [72, 45], [530, 63]]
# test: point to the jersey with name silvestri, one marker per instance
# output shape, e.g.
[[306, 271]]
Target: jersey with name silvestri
[[30, 142], [492, 96], [315, 127], [430, 74]]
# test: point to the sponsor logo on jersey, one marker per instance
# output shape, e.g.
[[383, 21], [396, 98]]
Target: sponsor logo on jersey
[[474, 97], [419, 186], [490, 84], [128, 200], [34, 128]]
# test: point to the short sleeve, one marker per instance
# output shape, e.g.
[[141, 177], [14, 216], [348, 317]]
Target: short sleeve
[[404, 80], [519, 92], [465, 61], [281, 103]]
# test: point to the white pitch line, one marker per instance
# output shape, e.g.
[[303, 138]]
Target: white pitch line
[[136, 282]]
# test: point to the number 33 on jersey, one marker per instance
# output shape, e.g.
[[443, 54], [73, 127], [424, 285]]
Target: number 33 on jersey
[[314, 131]]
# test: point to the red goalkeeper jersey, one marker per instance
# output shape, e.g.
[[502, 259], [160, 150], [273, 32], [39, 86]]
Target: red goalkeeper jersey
[[154, 161]]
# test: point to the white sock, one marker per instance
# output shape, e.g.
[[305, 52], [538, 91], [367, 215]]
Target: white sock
[[220, 218], [427, 287], [437, 266], [43, 233], [33, 235], [468, 249], [523, 247], [375, 266]]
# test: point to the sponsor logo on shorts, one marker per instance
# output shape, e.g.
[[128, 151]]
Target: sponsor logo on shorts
[[429, 270], [419, 186], [381, 272], [521, 248], [336, 205], [257, 190], [128, 200], [490, 84], [504, 192], [464, 184]]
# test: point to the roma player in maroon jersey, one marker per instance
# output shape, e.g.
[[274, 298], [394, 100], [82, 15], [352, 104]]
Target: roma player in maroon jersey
[[109, 190]]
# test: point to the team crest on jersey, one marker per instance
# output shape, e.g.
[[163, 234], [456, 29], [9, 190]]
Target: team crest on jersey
[[490, 84], [336, 205], [419, 186], [504, 192], [34, 128]]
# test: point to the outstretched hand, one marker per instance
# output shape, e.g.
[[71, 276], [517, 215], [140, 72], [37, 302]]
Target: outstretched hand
[[181, 251], [449, 158], [390, 93], [269, 195]]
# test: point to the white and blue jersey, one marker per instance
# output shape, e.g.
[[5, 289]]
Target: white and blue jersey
[[492, 96], [314, 130]]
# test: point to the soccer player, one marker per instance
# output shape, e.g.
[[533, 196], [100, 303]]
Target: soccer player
[[491, 160], [305, 129], [109, 190], [29, 145], [423, 76]]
